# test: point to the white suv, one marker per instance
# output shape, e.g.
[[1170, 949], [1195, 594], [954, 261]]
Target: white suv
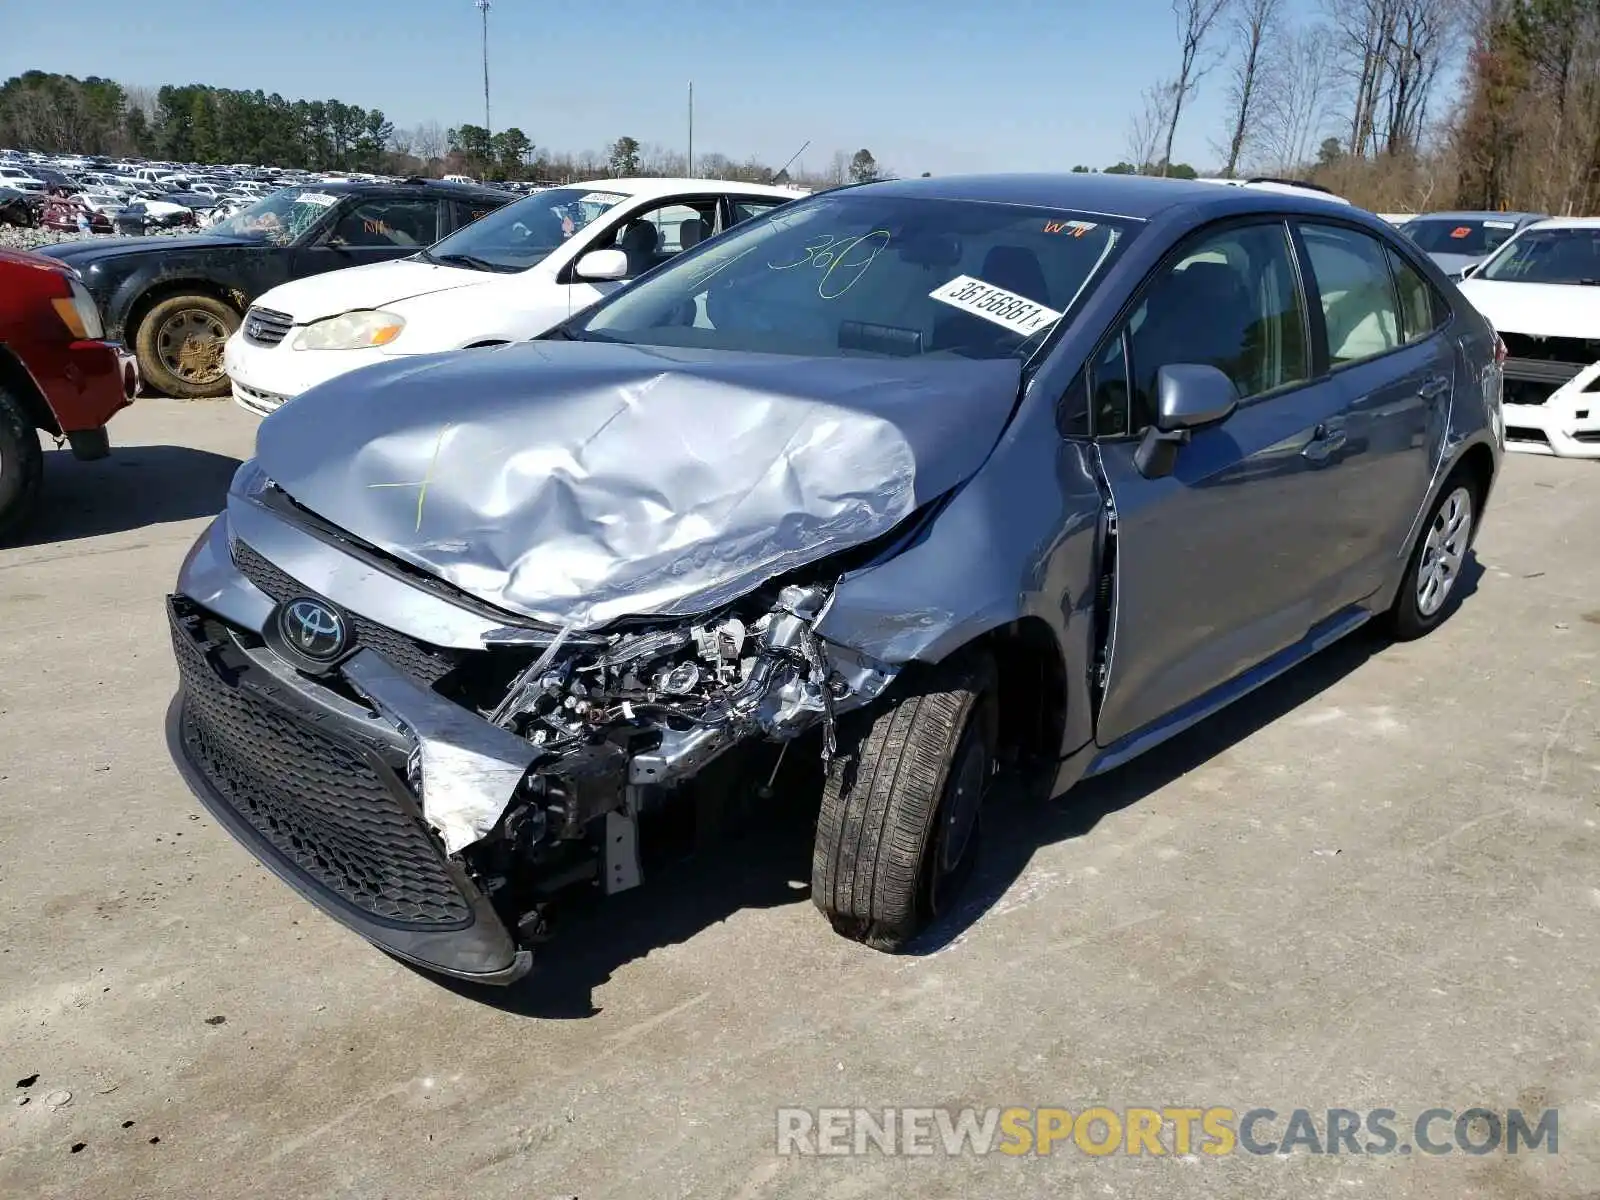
[[508, 276]]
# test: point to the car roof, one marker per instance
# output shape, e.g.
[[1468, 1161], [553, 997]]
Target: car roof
[[653, 186], [666, 186], [1138, 196], [435, 186], [1468, 214], [1567, 223]]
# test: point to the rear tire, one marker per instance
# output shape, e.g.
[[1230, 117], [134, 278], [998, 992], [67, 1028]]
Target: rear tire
[[179, 344], [21, 465], [1431, 585], [899, 823]]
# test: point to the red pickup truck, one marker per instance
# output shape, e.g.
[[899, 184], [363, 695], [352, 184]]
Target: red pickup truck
[[57, 374]]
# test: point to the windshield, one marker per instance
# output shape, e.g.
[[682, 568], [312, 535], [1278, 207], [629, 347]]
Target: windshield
[[280, 218], [1470, 236], [522, 233], [1548, 256], [873, 274]]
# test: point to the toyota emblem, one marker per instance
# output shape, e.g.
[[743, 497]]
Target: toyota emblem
[[314, 628]]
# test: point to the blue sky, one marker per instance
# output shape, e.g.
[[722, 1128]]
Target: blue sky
[[935, 85]]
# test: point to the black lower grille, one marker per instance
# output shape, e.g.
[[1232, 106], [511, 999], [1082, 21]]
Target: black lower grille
[[424, 663], [319, 802], [1574, 352]]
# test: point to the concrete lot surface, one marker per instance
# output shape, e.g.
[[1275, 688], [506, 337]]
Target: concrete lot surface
[[1373, 885]]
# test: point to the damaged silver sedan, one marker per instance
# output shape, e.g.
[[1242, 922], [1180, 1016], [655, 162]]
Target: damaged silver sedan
[[927, 477]]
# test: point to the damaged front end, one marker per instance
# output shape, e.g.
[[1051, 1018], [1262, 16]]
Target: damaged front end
[[509, 602], [435, 799]]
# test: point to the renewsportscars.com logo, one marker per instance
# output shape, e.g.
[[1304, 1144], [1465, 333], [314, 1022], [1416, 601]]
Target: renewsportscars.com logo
[[1155, 1132]]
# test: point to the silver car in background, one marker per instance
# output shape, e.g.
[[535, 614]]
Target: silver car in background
[[931, 478]]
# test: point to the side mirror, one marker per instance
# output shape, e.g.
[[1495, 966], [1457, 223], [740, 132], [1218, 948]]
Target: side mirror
[[603, 264], [1189, 396]]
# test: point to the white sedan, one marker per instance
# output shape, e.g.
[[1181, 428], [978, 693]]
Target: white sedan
[[1541, 292], [509, 276]]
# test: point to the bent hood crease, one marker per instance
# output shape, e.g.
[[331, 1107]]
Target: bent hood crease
[[575, 483]]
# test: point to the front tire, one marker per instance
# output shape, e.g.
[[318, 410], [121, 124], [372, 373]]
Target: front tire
[[21, 464], [180, 342], [899, 823], [1432, 577]]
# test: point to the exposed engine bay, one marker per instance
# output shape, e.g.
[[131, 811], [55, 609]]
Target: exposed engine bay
[[608, 727]]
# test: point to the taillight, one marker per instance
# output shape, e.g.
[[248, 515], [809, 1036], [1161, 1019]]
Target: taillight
[[1500, 351]]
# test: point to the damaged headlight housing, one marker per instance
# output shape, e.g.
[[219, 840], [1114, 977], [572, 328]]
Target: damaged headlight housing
[[359, 330]]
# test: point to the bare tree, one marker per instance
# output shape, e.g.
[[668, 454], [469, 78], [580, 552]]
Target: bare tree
[[142, 98], [1295, 108], [1149, 125], [1252, 22], [1391, 53], [838, 169], [428, 141], [1195, 19]]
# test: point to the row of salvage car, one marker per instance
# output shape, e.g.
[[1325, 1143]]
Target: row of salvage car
[[929, 479], [1537, 279]]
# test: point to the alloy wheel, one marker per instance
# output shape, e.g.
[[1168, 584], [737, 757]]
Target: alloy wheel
[[1444, 551]]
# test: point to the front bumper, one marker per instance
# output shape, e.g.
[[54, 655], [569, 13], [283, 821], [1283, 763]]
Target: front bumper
[[265, 377], [1567, 423], [86, 383], [318, 795]]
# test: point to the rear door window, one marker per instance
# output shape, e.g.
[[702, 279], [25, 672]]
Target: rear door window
[[1421, 310], [1359, 306], [745, 207]]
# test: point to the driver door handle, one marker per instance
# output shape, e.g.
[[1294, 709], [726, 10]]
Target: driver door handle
[[1325, 442], [1434, 388]]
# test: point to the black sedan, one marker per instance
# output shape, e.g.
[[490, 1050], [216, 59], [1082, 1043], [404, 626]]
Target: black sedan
[[175, 300]]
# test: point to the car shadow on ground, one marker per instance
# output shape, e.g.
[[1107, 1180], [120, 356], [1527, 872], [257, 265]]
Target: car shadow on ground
[[767, 863], [136, 487]]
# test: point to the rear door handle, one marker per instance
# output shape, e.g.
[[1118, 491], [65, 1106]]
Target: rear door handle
[[1325, 442], [1434, 388]]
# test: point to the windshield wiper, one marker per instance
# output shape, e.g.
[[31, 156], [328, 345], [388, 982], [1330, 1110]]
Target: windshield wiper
[[472, 261], [423, 256]]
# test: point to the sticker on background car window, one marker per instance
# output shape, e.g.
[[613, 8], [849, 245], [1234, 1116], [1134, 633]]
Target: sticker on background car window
[[320, 199], [601, 198], [1461, 231], [1015, 312], [1499, 224]]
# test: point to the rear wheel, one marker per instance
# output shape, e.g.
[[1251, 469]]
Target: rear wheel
[[1433, 575], [21, 464], [180, 343], [898, 829]]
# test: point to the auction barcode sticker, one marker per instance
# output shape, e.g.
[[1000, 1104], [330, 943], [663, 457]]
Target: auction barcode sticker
[[320, 199], [1017, 313]]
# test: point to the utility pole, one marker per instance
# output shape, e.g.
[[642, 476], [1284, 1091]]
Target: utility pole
[[691, 129], [483, 7]]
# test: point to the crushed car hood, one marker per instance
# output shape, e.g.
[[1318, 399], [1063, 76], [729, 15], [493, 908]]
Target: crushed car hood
[[1568, 310], [578, 482], [371, 286]]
